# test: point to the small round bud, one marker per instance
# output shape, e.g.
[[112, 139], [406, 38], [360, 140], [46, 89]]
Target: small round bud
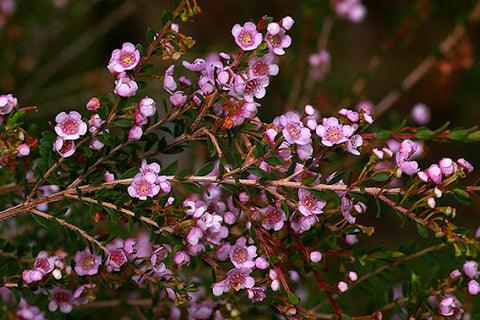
[[287, 23], [352, 275], [342, 286], [273, 28], [315, 256]]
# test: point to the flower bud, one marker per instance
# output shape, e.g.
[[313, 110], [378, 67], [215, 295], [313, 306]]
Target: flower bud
[[315, 256]]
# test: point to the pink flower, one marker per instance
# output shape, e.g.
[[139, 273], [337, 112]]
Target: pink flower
[[29, 312], [421, 113], [262, 66], [125, 86], [144, 186], [319, 64], [93, 104], [353, 143], [157, 257], [242, 256], [198, 65], [130, 246], [124, 59], [315, 256], [332, 132], [82, 294], [434, 173], [473, 287], [287, 23], [470, 268], [447, 166], [87, 263], [135, 133], [249, 88], [115, 259], [23, 150], [292, 128], [239, 278], [346, 207], [169, 83], [342, 286], [147, 107], [7, 103], [44, 263], [277, 42], [352, 10], [349, 114], [70, 126], [256, 294], [178, 99], [62, 298], [464, 163], [308, 205], [182, 258], [247, 37], [152, 167], [451, 307], [274, 218], [29, 276]]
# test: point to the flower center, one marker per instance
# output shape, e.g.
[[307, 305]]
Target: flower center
[[69, 126], [294, 130], [62, 297], [260, 69], [88, 262], [334, 134], [251, 86], [42, 263], [143, 188], [309, 202], [237, 280], [273, 216], [66, 146], [240, 255], [117, 257], [275, 40], [127, 59], [246, 38]]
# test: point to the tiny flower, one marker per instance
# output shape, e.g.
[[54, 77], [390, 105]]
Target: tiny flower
[[152, 167], [287, 23], [274, 218], [44, 263], [261, 263], [450, 307], [346, 207], [29, 312], [349, 114], [353, 143], [23, 150], [278, 42], [473, 287], [239, 278], [144, 186], [464, 163], [82, 294], [70, 126], [178, 99], [421, 113], [62, 298], [115, 259], [157, 257], [108, 177], [95, 144], [332, 132], [308, 205], [198, 65], [125, 86], [293, 129], [352, 275], [256, 294], [250, 88], [219, 288], [7, 103], [130, 246], [147, 107], [93, 104], [342, 286], [181, 258], [470, 268], [247, 37], [29, 276], [434, 173], [86, 263], [242, 256], [124, 59], [315, 256], [262, 66], [447, 166], [135, 133]]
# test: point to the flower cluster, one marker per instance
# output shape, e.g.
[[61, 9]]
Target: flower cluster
[[148, 182]]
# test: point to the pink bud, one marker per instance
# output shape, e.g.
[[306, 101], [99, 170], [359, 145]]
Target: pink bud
[[447, 166], [273, 28], [470, 268], [147, 107], [431, 202], [352, 275], [287, 23], [93, 104], [455, 273], [464, 163], [135, 133], [261, 263], [342, 286], [473, 287], [434, 173], [23, 150], [108, 176], [182, 258], [421, 113], [315, 256], [275, 285], [130, 246]]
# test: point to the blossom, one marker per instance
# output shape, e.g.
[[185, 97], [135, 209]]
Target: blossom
[[70, 126], [420, 113], [434, 173], [249, 88], [246, 36], [308, 205], [157, 257], [353, 143], [182, 258], [143, 186], [450, 307], [274, 218], [124, 59], [292, 128], [239, 278], [352, 10], [87, 263], [7, 103], [464, 163], [470, 268], [473, 287], [346, 207], [44, 263], [277, 42], [81, 295], [241, 255], [315, 256], [447, 166], [256, 294], [319, 64], [262, 66], [115, 259], [29, 276], [125, 86], [332, 132], [130, 245], [29, 312], [178, 99], [23, 150], [198, 65], [60, 298], [147, 107]]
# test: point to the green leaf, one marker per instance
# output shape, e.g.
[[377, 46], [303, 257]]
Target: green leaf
[[293, 299], [424, 133], [458, 135], [422, 230], [151, 35], [258, 150], [42, 221], [206, 169], [256, 171], [384, 134], [380, 177], [275, 161], [445, 126], [130, 173], [474, 136], [462, 196], [166, 17], [191, 187], [141, 49], [378, 207]]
